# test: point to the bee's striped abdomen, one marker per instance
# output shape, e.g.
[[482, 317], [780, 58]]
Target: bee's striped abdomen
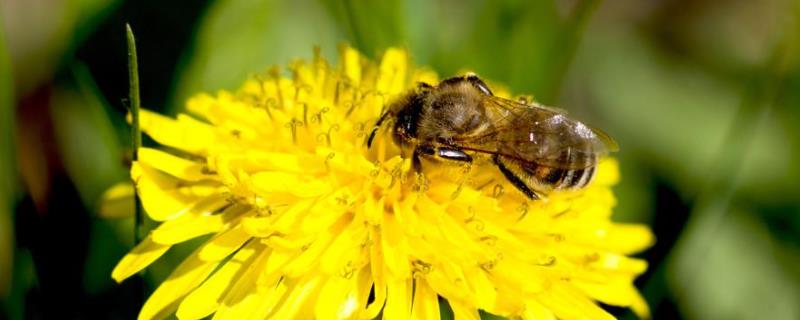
[[532, 178], [576, 173], [559, 178]]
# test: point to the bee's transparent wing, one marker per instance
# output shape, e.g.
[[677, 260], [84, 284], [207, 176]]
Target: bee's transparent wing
[[533, 133]]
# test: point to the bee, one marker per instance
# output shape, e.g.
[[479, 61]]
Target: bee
[[538, 149]]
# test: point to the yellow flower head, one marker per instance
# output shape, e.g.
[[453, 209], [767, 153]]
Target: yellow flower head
[[308, 222]]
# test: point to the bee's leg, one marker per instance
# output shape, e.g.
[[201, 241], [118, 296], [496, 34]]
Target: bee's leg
[[420, 150], [453, 154], [478, 83], [514, 179], [441, 152], [376, 127]]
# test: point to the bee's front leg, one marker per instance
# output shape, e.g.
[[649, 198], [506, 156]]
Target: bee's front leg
[[453, 154], [447, 153], [419, 151]]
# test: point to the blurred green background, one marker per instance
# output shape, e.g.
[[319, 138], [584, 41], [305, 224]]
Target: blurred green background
[[702, 96]]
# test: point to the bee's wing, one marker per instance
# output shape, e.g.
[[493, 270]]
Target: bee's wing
[[534, 133]]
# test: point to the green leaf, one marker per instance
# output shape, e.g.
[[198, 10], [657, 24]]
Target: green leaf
[[727, 266], [636, 201], [238, 38], [675, 115], [445, 311], [42, 38], [516, 43], [372, 25], [110, 240], [7, 168], [24, 278], [85, 136]]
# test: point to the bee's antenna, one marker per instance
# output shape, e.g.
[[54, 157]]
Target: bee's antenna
[[376, 127]]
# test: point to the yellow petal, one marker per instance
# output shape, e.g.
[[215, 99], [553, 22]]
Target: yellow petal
[[363, 289], [406, 214], [345, 249], [620, 263], [185, 134], [325, 213], [223, 244], [376, 306], [235, 120], [483, 289], [201, 103], [639, 306], [176, 166], [187, 276], [619, 292], [286, 222], [426, 302], [303, 73], [309, 258], [372, 210], [526, 278], [335, 298], [568, 304], [351, 64], [204, 300], [158, 193], [392, 71], [602, 262], [398, 299], [607, 172], [464, 311], [619, 238], [628, 238], [117, 201], [140, 257], [425, 75], [297, 298], [256, 160], [378, 280], [202, 219], [255, 305], [242, 298], [448, 280], [394, 248], [536, 311], [270, 182], [272, 268]]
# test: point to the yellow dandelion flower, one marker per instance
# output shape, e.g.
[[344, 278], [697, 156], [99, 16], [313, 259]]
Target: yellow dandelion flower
[[307, 222]]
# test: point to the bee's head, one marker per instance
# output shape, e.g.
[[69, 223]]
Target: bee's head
[[405, 112]]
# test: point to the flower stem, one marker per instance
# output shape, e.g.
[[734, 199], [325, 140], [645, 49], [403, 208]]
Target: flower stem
[[136, 134]]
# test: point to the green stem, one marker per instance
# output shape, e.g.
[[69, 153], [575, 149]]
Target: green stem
[[136, 134]]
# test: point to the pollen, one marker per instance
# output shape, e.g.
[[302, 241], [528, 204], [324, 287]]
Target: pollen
[[305, 221]]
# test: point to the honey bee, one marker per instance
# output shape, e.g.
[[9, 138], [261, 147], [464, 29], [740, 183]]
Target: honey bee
[[538, 149]]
